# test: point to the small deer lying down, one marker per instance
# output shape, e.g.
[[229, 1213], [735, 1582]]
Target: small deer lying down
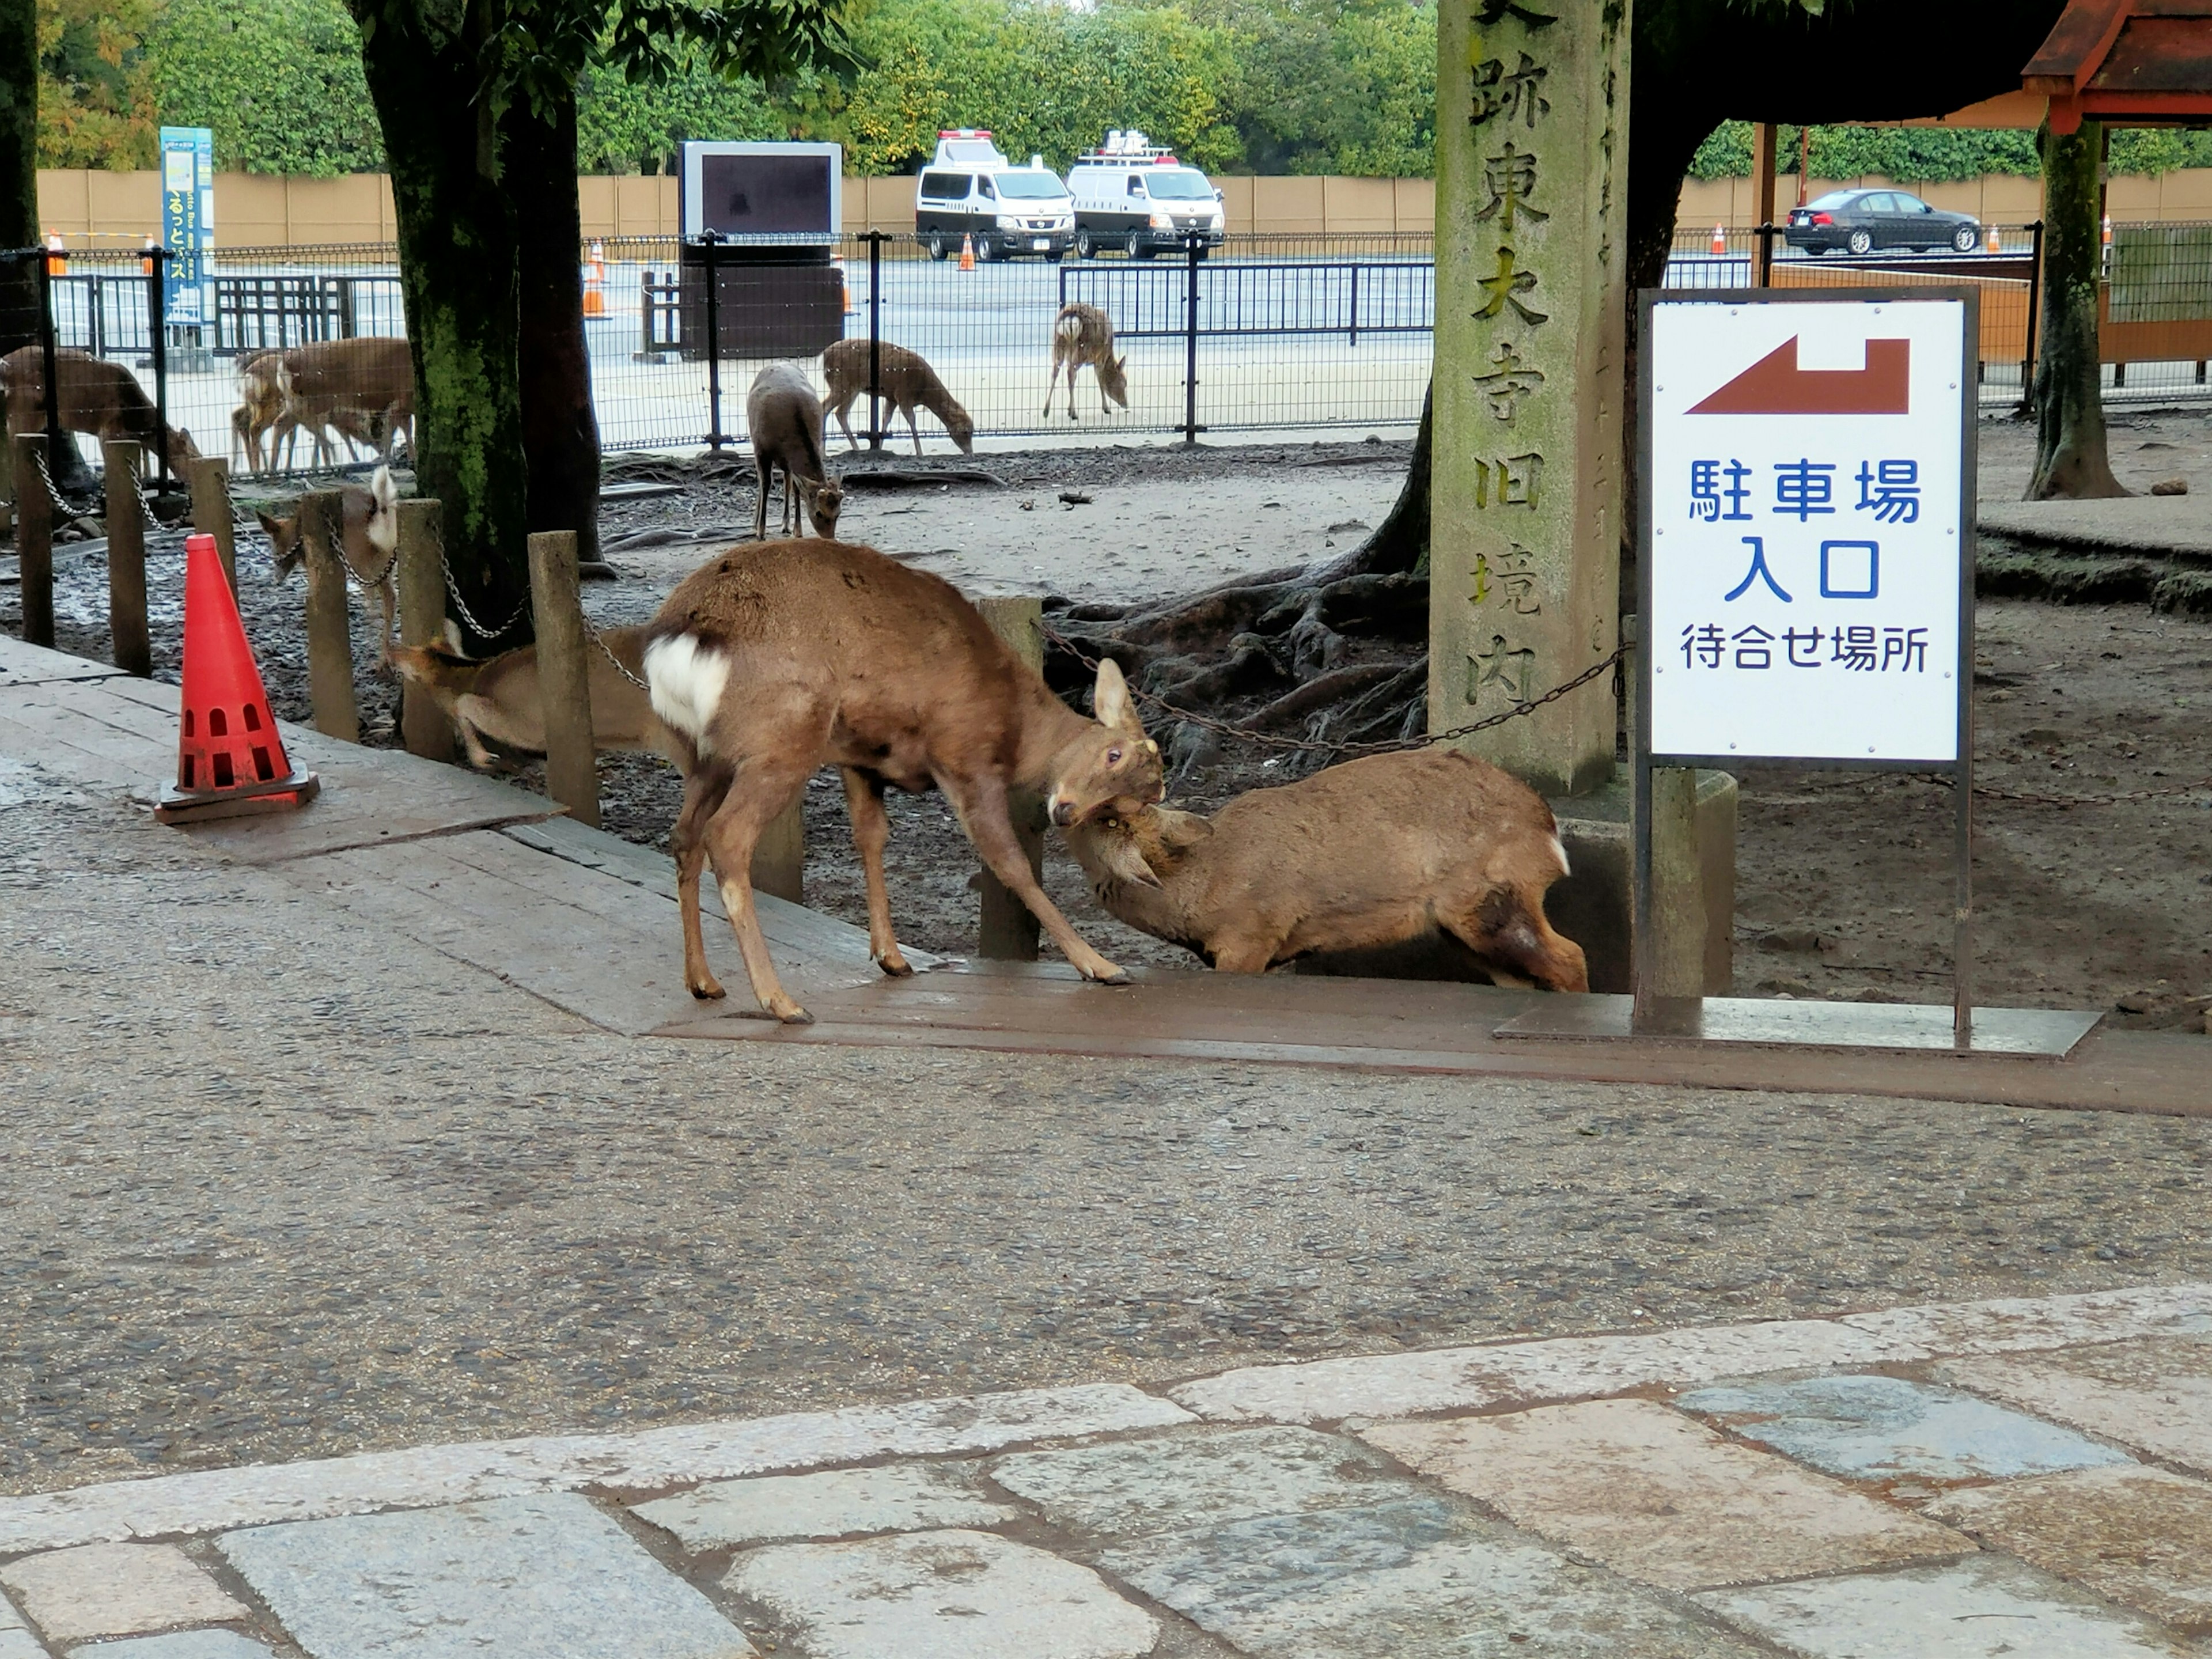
[[1373, 852], [773, 661], [784, 419], [499, 697], [908, 384], [365, 532]]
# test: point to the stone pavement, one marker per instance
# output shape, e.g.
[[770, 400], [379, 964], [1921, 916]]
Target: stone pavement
[[2022, 1477]]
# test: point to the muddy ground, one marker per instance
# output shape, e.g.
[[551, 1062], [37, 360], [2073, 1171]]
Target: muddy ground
[[1843, 884]]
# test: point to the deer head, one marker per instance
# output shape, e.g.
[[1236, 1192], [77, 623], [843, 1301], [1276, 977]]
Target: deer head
[[824, 501], [1112, 769], [1114, 379], [961, 428], [284, 548]]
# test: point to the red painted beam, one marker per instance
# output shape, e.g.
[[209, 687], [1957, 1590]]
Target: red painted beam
[[2076, 47]]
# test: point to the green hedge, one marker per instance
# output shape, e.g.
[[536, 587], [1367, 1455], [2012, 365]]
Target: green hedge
[[1938, 154]]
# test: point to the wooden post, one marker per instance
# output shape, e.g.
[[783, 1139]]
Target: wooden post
[[126, 559], [423, 725], [1764, 137], [564, 674], [330, 621], [1678, 918], [34, 539], [210, 484], [1007, 932], [780, 855]]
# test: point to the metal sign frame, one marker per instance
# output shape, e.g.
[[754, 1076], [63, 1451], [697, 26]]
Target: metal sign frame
[[1646, 1016]]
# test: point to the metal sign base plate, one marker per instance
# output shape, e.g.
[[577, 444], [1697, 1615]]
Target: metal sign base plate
[[2037, 1033]]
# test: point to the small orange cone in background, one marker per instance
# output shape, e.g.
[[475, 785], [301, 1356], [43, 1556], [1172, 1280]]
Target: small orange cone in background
[[230, 758], [595, 281], [1995, 246], [1720, 240], [968, 252], [58, 262]]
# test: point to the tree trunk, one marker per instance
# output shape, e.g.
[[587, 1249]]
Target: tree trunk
[[457, 270], [560, 432], [19, 124], [2070, 459]]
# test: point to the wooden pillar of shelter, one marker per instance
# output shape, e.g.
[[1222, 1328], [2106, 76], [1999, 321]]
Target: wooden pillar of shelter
[[1532, 156], [1764, 137]]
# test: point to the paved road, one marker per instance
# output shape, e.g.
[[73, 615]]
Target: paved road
[[279, 1185]]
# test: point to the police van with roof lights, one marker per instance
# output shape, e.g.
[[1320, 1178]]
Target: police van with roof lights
[[1140, 199], [969, 190]]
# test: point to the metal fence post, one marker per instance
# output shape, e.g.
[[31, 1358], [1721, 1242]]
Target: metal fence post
[[34, 537], [875, 340], [714, 351], [1765, 234], [1194, 245], [1354, 339], [158, 340], [126, 559], [564, 674], [46, 362]]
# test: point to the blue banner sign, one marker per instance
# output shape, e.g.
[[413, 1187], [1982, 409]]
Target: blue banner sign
[[187, 225]]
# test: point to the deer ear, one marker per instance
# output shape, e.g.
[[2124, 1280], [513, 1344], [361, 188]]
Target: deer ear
[[1124, 860], [272, 526], [1111, 700]]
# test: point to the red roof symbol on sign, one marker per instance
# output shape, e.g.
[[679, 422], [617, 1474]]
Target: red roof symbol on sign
[[1776, 386]]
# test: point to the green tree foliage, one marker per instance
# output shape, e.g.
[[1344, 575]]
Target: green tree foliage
[[279, 81], [1348, 87], [634, 126], [95, 109], [1938, 155]]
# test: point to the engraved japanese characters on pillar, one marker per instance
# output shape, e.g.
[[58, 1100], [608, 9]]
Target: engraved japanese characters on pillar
[[1531, 302]]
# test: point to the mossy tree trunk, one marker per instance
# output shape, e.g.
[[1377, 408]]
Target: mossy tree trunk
[[457, 265], [560, 432], [2070, 458]]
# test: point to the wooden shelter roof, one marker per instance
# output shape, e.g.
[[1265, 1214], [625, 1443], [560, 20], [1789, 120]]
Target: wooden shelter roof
[[2131, 61]]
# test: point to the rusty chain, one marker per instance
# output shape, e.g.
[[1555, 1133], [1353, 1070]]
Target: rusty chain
[[1376, 746]]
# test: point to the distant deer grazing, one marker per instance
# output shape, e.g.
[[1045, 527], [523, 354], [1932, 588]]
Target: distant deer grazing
[[772, 662], [908, 384], [1374, 852], [97, 396], [784, 418], [1082, 335], [501, 697], [260, 406], [367, 534]]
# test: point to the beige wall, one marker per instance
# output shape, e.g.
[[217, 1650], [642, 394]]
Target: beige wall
[[262, 210], [1999, 199]]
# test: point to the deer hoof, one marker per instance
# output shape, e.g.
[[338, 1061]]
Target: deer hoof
[[792, 1014], [709, 992], [1106, 973], [896, 966]]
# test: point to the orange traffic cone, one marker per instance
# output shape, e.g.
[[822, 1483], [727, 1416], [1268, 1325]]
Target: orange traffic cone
[[57, 262], [968, 252], [1995, 247], [2108, 230], [230, 758], [1720, 240], [595, 283]]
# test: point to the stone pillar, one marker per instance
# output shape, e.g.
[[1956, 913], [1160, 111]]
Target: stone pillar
[[1532, 159]]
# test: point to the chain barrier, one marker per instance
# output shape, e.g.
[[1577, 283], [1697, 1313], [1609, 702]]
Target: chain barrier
[[607, 651], [333, 533], [468, 616], [1376, 746]]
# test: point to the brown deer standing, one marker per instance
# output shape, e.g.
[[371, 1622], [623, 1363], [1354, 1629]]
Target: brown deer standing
[[97, 396], [363, 386], [769, 663], [1374, 852], [500, 697], [260, 406], [1083, 335], [783, 417], [366, 535], [908, 383]]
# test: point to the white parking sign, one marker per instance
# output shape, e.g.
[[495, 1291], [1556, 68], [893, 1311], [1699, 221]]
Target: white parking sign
[[1807, 486]]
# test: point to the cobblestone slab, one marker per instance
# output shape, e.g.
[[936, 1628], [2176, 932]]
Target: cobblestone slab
[[222, 1499], [1883, 1428], [116, 1589], [950, 1595], [179, 1644], [1983, 1608], [1196, 1480], [898, 1498], [1412, 1577], [546, 1575], [2153, 1395], [1661, 1497], [1567, 1368], [2016, 1324], [2141, 1537]]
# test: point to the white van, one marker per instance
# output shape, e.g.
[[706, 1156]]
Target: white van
[[971, 190], [1131, 196]]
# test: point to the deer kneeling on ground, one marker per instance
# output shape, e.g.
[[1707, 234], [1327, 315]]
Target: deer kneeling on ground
[[501, 698], [784, 418], [908, 384], [365, 532], [770, 662], [1082, 335], [1374, 852]]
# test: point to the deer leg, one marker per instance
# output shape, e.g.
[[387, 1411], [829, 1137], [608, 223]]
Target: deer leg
[[871, 827], [763, 789], [1243, 956], [766, 470], [1505, 929], [705, 784], [913, 427], [981, 803], [845, 426]]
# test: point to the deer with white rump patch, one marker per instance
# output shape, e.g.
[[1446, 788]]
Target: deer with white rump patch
[[784, 418], [1083, 335], [771, 662], [1374, 852], [908, 384], [365, 533]]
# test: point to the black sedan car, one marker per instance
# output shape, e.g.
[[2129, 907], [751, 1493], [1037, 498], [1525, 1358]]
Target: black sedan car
[[1866, 221]]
